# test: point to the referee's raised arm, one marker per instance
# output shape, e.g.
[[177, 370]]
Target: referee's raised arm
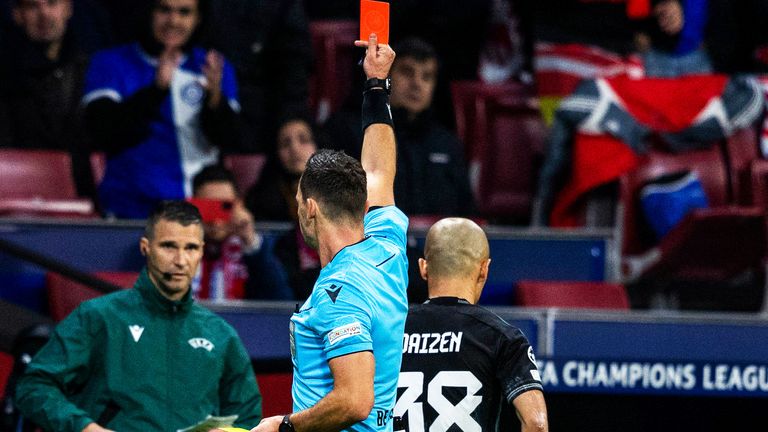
[[378, 154]]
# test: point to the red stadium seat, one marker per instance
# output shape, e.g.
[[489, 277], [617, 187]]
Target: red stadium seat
[[741, 149], [708, 165], [45, 174], [246, 168], [64, 294], [333, 76], [712, 247], [39, 183], [469, 104], [571, 294], [6, 367], [509, 146]]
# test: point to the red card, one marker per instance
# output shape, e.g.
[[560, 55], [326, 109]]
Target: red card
[[374, 18]]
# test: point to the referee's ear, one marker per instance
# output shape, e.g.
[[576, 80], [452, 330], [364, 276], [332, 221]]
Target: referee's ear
[[423, 268]]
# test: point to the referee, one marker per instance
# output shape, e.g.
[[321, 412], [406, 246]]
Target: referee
[[346, 338], [461, 361]]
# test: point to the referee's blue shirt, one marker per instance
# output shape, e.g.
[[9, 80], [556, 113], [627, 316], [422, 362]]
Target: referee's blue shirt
[[358, 303]]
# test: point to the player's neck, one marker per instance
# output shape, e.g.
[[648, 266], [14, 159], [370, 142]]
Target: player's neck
[[461, 288], [332, 238]]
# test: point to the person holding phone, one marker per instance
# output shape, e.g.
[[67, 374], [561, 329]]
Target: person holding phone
[[236, 263]]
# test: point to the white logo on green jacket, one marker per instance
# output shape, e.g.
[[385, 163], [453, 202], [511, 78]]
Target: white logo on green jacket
[[201, 343], [136, 331]]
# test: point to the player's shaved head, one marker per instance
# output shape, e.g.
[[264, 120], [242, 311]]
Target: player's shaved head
[[455, 247]]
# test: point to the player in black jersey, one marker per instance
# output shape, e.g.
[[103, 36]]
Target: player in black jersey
[[461, 361]]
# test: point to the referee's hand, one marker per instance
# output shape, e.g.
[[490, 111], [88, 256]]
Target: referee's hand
[[378, 57]]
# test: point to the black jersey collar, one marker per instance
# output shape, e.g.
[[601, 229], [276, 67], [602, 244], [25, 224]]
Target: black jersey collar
[[447, 301]]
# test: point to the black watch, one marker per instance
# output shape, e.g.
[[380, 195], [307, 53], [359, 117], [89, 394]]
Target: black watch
[[286, 425], [385, 83]]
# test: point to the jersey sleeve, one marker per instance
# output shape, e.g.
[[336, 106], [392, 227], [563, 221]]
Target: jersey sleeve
[[388, 222], [345, 320], [62, 363], [516, 370], [229, 86], [103, 78]]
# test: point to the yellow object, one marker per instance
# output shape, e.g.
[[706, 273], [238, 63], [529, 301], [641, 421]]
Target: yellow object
[[549, 105], [233, 429]]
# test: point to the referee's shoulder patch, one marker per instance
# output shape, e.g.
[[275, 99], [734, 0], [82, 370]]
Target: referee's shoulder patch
[[342, 332]]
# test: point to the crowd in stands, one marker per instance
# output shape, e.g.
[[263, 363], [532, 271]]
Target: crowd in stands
[[165, 89]]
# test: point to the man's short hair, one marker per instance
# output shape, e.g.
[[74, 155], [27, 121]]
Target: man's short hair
[[415, 48], [178, 211], [338, 182], [213, 174]]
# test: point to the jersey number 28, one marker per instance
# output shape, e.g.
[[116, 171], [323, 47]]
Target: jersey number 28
[[447, 413]]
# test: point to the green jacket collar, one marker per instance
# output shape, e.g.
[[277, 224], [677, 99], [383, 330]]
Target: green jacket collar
[[155, 300]]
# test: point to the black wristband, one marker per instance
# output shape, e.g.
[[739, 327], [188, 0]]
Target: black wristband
[[286, 425], [376, 108]]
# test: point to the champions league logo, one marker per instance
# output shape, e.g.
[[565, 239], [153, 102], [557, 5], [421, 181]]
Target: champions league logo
[[192, 93], [531, 357]]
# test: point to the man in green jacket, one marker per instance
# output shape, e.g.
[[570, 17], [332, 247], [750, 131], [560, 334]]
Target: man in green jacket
[[146, 359]]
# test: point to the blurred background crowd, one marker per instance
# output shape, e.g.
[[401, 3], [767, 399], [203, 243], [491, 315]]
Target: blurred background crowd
[[510, 112]]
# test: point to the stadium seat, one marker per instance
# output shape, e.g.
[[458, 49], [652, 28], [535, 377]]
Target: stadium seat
[[509, 147], [64, 294], [571, 294], [741, 148], [6, 366], [759, 184], [333, 75], [246, 168], [708, 164], [45, 174], [469, 102], [713, 247], [39, 183]]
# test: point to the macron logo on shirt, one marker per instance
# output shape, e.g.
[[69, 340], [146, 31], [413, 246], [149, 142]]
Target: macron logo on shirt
[[136, 331], [333, 292]]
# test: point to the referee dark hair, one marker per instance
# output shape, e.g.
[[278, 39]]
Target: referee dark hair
[[462, 361]]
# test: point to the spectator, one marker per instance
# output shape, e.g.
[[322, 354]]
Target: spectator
[[268, 43], [431, 177], [274, 198], [148, 358], [161, 108], [41, 80], [672, 39], [237, 263]]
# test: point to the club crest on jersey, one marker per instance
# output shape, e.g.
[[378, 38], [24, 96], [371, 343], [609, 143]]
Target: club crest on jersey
[[192, 93], [201, 343], [343, 332]]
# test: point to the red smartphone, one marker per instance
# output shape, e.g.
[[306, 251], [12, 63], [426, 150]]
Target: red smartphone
[[213, 210]]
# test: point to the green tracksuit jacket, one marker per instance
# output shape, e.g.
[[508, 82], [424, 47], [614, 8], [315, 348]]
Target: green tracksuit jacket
[[147, 362]]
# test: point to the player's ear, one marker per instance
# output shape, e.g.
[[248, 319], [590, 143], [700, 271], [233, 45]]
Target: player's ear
[[423, 268], [483, 275], [144, 246]]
